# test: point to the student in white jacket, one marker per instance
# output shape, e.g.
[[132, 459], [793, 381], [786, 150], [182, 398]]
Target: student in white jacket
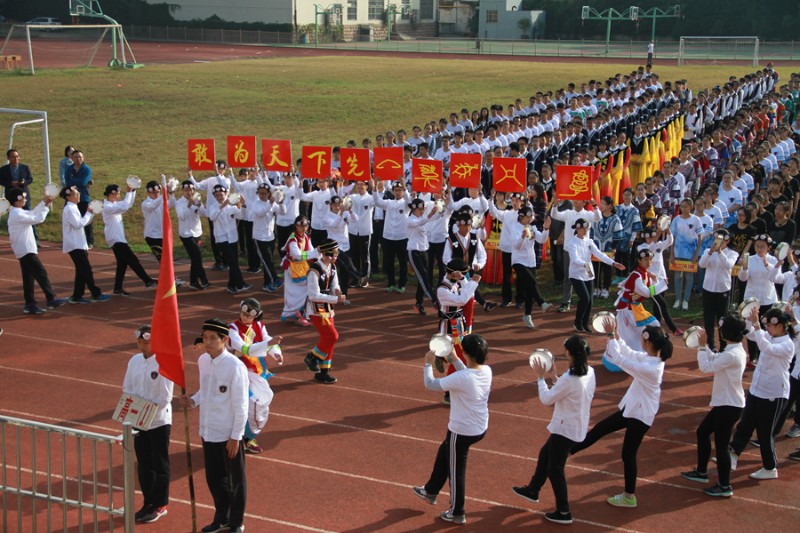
[[571, 394], [727, 401], [189, 210], [523, 259], [74, 243], [639, 406]]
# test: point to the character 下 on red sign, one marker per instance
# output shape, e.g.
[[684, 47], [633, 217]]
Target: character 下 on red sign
[[276, 155], [574, 182], [465, 170], [426, 175], [201, 154], [509, 174], [316, 162], [241, 150], [354, 164], [388, 163]]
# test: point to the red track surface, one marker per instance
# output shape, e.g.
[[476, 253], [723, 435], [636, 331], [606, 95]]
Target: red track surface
[[343, 458]]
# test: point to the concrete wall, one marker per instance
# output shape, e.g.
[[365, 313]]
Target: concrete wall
[[506, 25]]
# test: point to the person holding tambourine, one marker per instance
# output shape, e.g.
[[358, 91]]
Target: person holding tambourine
[[718, 262], [760, 272]]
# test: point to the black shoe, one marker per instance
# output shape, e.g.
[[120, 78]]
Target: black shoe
[[525, 492], [719, 491], [439, 364], [754, 443], [121, 292], [33, 310], [559, 518], [196, 286], [253, 271], [150, 284], [56, 302], [505, 304], [311, 361], [325, 378], [488, 306], [795, 456], [214, 527], [563, 308], [141, 513], [520, 305], [219, 267], [694, 475], [446, 399], [420, 309]]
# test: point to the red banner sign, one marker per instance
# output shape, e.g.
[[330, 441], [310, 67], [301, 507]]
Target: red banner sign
[[465, 170], [316, 162], [426, 175], [355, 164], [388, 163], [241, 150], [201, 154], [574, 182], [276, 155], [509, 174]]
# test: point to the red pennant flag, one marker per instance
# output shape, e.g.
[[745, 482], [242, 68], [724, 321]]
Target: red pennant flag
[[241, 150], [355, 164], [276, 155], [165, 325], [387, 163], [316, 162], [465, 170], [201, 154], [509, 174], [426, 175], [574, 182]]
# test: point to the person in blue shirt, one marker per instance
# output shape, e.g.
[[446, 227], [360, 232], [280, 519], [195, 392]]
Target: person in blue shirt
[[80, 176]]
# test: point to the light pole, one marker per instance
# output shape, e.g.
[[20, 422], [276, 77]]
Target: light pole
[[590, 13], [656, 13]]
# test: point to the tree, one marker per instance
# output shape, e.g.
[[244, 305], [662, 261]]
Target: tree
[[524, 25]]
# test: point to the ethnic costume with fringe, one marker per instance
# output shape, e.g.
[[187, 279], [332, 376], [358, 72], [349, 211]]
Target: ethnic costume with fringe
[[295, 266], [453, 296], [322, 288]]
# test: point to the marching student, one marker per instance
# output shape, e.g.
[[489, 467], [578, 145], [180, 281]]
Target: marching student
[[23, 244], [571, 394], [189, 210], [718, 262], [284, 223], [113, 209], [523, 259], [639, 406], [657, 242], [143, 380], [727, 401], [264, 210], [74, 243], [224, 216], [361, 233], [323, 292], [336, 223], [208, 185], [418, 250], [395, 234], [152, 209], [509, 232], [320, 200]]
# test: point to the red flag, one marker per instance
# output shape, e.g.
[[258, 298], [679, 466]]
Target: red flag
[[388, 162], [465, 170], [426, 175], [165, 325], [509, 174], [574, 182]]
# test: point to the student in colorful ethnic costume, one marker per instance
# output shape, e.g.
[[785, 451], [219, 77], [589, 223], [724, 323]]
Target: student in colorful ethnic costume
[[248, 339], [323, 292], [454, 292], [466, 244], [657, 241], [298, 250]]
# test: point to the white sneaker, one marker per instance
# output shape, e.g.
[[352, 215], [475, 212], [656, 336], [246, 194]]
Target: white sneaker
[[685, 305], [794, 431], [604, 293], [546, 307], [677, 304], [596, 293], [528, 321], [763, 473]]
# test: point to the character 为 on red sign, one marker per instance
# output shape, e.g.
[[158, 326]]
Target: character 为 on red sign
[[426, 175], [509, 174], [201, 154], [574, 182], [276, 155], [241, 150]]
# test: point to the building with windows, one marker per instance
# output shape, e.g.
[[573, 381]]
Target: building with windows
[[501, 19]]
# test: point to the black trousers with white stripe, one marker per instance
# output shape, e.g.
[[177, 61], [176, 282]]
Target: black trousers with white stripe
[[761, 415], [359, 253], [266, 251], [33, 270], [451, 463], [419, 263]]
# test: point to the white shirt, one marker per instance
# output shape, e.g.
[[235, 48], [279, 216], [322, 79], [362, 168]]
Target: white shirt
[[291, 200], [580, 253], [478, 261], [112, 218], [511, 228], [20, 228], [337, 225], [761, 279], [209, 183], [222, 397], [224, 219], [314, 294], [153, 217], [143, 380], [644, 393], [728, 368], [657, 248], [264, 219], [569, 216], [72, 224], [364, 205], [189, 218], [469, 397], [394, 226], [249, 191], [524, 252], [320, 205], [771, 377], [572, 396], [417, 232], [718, 269]]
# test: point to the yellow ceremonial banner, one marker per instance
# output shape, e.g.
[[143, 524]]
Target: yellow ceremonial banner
[[681, 265]]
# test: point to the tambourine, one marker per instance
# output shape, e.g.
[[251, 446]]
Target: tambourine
[[172, 185], [197, 198], [278, 195], [97, 206], [599, 318], [527, 232], [52, 190], [662, 222], [5, 205], [439, 205], [441, 345], [347, 203], [782, 250], [477, 220], [746, 307], [234, 198], [780, 305], [692, 337], [542, 357], [134, 182]]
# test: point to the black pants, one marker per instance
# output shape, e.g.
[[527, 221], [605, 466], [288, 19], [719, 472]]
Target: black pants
[[249, 244], [635, 431], [33, 270], [197, 274], [359, 253], [152, 456], [156, 246], [760, 415], [566, 289], [583, 289], [83, 275], [719, 421], [715, 304], [282, 233], [266, 249], [88, 229], [624, 258], [557, 255], [345, 269], [436, 259], [226, 479], [550, 465], [794, 396], [530, 290], [451, 463], [752, 348], [126, 258], [395, 249], [218, 258], [604, 276], [231, 257], [419, 262], [661, 311], [507, 269], [376, 242]]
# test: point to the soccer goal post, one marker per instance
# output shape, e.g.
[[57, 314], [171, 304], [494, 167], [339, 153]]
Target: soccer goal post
[[22, 124], [707, 49], [67, 46]]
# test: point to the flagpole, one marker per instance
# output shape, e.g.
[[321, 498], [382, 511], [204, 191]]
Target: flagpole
[[189, 462]]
